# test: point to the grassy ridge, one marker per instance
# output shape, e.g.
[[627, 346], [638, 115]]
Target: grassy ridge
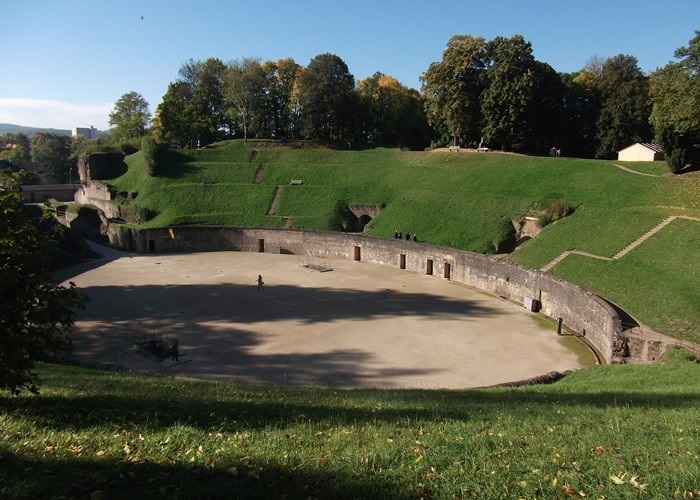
[[604, 432], [459, 200]]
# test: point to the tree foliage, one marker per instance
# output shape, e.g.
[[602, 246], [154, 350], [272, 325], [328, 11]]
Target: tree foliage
[[36, 315], [281, 117], [675, 97], [481, 91], [509, 94], [327, 100], [15, 149], [150, 153], [625, 106], [192, 113], [53, 155], [390, 113], [175, 120], [452, 89], [130, 119], [245, 90]]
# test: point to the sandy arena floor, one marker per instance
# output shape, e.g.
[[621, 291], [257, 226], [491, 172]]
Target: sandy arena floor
[[359, 325]]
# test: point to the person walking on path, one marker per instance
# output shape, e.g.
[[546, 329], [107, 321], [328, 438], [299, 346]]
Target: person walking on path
[[175, 351], [260, 282]]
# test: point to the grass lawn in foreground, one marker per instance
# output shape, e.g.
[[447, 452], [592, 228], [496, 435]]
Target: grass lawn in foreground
[[628, 431]]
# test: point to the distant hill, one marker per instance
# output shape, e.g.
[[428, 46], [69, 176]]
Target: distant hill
[[9, 128]]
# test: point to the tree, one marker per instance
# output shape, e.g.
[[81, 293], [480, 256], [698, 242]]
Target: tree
[[391, 114], [509, 96], [625, 106], [209, 101], [130, 118], [15, 149], [327, 99], [580, 110], [452, 90], [53, 154], [245, 92], [192, 111], [281, 86], [675, 96], [175, 116], [36, 315]]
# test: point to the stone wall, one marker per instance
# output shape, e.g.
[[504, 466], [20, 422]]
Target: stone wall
[[97, 194], [38, 193], [581, 311]]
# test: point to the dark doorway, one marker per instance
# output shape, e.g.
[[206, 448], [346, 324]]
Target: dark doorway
[[151, 246], [261, 245], [448, 269], [402, 261], [362, 222], [357, 254], [429, 267]]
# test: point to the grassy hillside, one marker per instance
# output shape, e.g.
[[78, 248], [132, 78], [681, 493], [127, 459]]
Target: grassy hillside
[[462, 200], [601, 432]]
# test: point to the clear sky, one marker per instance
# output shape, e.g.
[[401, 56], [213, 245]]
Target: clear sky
[[65, 63]]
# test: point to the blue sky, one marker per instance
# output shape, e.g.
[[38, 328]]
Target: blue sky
[[65, 63]]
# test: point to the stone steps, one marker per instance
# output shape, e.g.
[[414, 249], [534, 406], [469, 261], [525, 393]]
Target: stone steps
[[275, 199], [551, 265]]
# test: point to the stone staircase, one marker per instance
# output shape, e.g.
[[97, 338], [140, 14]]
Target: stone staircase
[[259, 174], [645, 236], [551, 265], [275, 200]]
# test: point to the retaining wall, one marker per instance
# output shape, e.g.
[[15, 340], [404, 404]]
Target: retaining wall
[[582, 311], [38, 193]]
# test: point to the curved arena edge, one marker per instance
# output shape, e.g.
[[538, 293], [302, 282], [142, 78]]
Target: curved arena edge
[[582, 312]]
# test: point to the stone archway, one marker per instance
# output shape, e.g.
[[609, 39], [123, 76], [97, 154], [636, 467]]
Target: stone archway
[[364, 215]]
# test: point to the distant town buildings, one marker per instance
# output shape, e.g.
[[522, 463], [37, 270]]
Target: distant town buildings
[[89, 132]]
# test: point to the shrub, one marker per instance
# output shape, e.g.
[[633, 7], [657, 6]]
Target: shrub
[[136, 213], [556, 210], [150, 151]]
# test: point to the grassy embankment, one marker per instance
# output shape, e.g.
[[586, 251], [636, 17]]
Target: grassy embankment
[[460, 200], [609, 432]]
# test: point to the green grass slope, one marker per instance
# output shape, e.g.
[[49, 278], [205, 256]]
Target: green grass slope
[[602, 432], [462, 200]]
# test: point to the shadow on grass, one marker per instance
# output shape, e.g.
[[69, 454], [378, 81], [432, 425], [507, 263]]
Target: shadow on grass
[[176, 164], [104, 402], [136, 402], [94, 478]]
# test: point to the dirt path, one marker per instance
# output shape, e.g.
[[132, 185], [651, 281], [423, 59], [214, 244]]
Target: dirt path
[[359, 325]]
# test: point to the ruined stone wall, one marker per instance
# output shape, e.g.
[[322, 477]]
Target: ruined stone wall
[[581, 311], [97, 194], [38, 193]]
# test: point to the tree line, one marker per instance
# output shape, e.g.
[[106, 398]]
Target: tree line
[[491, 93], [280, 99]]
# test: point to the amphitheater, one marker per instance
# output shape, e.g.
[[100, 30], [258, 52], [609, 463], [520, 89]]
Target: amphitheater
[[337, 309]]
